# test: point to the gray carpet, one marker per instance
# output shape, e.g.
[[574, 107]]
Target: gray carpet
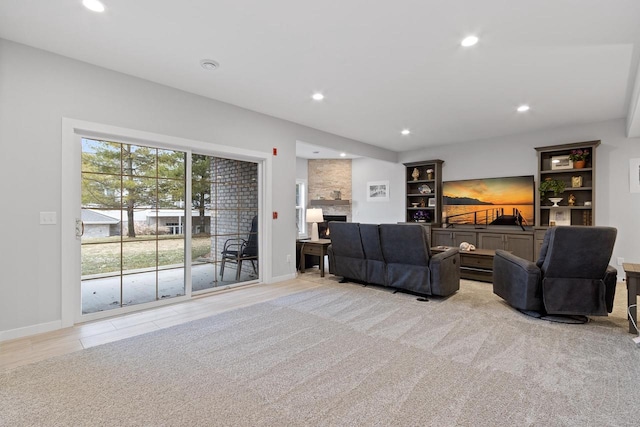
[[344, 355]]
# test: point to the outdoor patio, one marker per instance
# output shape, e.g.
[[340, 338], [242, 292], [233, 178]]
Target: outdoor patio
[[103, 293]]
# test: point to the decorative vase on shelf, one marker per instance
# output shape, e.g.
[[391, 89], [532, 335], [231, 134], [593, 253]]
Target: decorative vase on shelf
[[415, 174], [555, 201], [579, 164]]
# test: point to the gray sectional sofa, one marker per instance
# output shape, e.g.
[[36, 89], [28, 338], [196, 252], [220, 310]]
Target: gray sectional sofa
[[394, 255]]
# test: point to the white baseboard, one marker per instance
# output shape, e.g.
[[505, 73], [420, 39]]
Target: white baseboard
[[282, 278], [26, 331]]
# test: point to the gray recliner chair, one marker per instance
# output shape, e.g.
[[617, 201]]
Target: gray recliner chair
[[571, 277], [410, 264], [346, 256]]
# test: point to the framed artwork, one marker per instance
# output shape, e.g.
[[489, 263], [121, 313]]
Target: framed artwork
[[561, 162], [576, 181], [432, 202], [634, 175], [378, 191], [560, 216]]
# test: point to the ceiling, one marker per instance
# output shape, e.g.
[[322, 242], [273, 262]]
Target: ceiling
[[382, 66]]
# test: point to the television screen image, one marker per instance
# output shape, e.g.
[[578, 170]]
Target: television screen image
[[489, 201]]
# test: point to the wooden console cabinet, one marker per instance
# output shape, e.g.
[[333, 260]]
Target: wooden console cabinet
[[449, 237], [520, 243]]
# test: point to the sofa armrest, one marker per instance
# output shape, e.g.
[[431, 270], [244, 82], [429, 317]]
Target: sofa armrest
[[517, 280], [445, 272], [610, 282]]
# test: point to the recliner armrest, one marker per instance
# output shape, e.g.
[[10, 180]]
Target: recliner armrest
[[517, 263], [610, 281], [439, 257], [445, 272], [517, 280]]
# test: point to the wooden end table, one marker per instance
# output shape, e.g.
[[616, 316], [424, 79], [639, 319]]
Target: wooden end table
[[314, 247], [633, 289]]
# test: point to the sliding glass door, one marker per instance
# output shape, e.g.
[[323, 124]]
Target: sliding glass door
[[133, 214], [136, 214], [224, 234]]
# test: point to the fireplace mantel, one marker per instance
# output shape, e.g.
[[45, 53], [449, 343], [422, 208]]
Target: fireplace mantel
[[325, 202]]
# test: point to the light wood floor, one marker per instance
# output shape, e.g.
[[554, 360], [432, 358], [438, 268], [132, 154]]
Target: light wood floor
[[39, 347]]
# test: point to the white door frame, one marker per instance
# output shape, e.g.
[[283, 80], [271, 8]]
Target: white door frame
[[72, 131]]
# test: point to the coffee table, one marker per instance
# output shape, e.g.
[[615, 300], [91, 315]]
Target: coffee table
[[474, 265]]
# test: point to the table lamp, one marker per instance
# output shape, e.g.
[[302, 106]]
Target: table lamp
[[314, 216]]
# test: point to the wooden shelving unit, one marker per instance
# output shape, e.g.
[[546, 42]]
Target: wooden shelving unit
[[580, 213], [424, 189]]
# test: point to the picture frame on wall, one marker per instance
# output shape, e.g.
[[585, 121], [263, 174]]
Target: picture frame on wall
[[378, 191], [634, 175], [561, 162]]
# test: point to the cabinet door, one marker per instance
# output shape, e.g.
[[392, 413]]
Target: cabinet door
[[520, 245], [491, 241], [441, 238], [464, 236]]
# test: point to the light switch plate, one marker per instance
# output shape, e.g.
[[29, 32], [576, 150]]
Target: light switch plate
[[48, 218]]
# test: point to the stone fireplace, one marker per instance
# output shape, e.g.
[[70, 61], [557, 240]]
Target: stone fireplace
[[326, 176]]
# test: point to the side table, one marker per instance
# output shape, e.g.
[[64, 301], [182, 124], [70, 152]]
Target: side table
[[314, 247], [633, 289], [474, 265]]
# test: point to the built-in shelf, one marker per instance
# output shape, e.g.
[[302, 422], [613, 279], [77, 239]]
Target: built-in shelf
[[578, 214], [325, 202], [427, 173]]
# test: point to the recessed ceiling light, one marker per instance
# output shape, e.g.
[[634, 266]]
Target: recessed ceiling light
[[316, 152], [209, 64], [523, 108], [318, 96], [469, 41], [343, 154], [93, 5], [405, 131]]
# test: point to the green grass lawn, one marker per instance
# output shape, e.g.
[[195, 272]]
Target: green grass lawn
[[103, 255]]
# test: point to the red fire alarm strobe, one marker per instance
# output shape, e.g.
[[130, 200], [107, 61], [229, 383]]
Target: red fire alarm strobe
[[275, 215], [275, 151]]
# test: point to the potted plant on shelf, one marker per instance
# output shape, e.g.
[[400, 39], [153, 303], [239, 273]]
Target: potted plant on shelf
[[579, 157], [554, 185]]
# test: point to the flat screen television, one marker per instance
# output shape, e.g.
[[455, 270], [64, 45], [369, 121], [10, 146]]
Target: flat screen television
[[490, 201]]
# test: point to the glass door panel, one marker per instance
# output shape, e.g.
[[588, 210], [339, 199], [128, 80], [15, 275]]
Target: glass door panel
[[133, 211], [225, 201]]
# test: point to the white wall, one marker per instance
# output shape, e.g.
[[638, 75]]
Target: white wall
[[302, 168], [515, 155], [366, 170], [38, 89]]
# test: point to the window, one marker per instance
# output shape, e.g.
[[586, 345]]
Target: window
[[301, 210]]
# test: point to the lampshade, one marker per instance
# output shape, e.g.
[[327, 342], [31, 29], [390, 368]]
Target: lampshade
[[314, 215]]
